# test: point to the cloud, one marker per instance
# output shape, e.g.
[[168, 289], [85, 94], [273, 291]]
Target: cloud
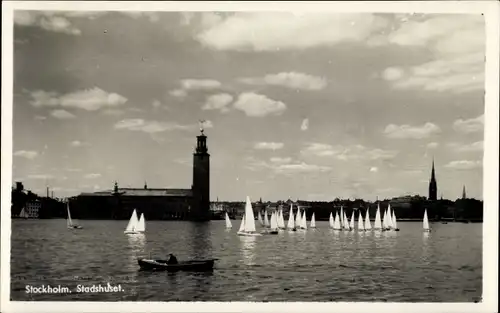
[[256, 105], [88, 99], [464, 165], [200, 84], [269, 145], [291, 80], [77, 143], [218, 102], [374, 169], [112, 112], [300, 168], [456, 44], [179, 93], [305, 124], [156, 103], [41, 176], [411, 132], [40, 118], [473, 147], [138, 124], [92, 175], [469, 126], [62, 114], [49, 21], [281, 160], [74, 170], [432, 145], [270, 31], [284, 166], [27, 154], [354, 152]]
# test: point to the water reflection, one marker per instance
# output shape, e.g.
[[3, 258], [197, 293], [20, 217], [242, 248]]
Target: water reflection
[[201, 242], [247, 249]]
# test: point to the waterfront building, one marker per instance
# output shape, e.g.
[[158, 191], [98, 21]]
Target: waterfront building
[[156, 203], [33, 208]]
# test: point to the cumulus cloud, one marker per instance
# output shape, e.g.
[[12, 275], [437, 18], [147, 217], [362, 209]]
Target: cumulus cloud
[[411, 132], [291, 80], [273, 31], [88, 99], [178, 93], [354, 152], [269, 145], [472, 147], [62, 114], [470, 125], [218, 102], [139, 124], [456, 43], [374, 169], [464, 165], [196, 84], [50, 21], [27, 154], [281, 160], [256, 105], [92, 175], [305, 124]]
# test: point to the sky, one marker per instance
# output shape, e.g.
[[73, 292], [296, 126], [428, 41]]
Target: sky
[[303, 106]]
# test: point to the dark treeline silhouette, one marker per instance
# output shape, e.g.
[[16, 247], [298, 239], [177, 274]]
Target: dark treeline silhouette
[[50, 207]]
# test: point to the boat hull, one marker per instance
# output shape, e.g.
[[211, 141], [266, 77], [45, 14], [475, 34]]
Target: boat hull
[[75, 227], [190, 266], [133, 232], [270, 232], [249, 234]]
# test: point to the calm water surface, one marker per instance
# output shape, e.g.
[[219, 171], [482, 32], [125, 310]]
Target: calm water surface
[[316, 265]]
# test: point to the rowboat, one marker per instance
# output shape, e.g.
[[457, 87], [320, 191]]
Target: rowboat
[[191, 265]]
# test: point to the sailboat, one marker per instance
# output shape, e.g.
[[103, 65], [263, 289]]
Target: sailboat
[[313, 221], [228, 222], [351, 223], [378, 222], [336, 222], [132, 224], [266, 220], [389, 217], [331, 222], [259, 217], [23, 214], [298, 218], [426, 222], [247, 227], [346, 222], [394, 222], [291, 221], [303, 220], [141, 224], [361, 226], [281, 220], [69, 221], [368, 224]]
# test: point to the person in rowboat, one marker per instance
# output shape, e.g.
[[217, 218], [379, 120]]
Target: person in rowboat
[[172, 259]]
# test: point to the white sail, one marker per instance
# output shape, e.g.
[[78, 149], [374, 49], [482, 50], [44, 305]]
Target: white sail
[[384, 220], [336, 222], [342, 222], [259, 217], [346, 221], [351, 224], [132, 223], [331, 222], [228, 222], [303, 220], [281, 221], [389, 217], [249, 217], [274, 221], [394, 222], [69, 221], [368, 224], [361, 225], [23, 213], [298, 217], [266, 219], [242, 225], [378, 222], [291, 221], [141, 224], [313, 221], [426, 221]]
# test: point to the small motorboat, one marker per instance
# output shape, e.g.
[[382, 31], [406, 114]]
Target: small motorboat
[[191, 265]]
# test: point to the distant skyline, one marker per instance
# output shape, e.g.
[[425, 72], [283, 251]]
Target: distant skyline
[[312, 106]]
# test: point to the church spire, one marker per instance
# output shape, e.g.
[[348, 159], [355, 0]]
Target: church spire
[[433, 184], [464, 194]]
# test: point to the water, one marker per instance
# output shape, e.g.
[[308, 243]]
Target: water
[[317, 265]]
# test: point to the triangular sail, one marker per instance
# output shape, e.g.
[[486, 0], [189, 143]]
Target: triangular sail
[[336, 222], [313, 221], [242, 225], [274, 221], [378, 222], [351, 224], [298, 217], [368, 224], [394, 222], [228, 222], [249, 217], [342, 222], [361, 225], [291, 221], [266, 219], [281, 221], [69, 221], [141, 224], [132, 223], [389, 217], [303, 220], [23, 213], [426, 221], [259, 217], [384, 220], [331, 222]]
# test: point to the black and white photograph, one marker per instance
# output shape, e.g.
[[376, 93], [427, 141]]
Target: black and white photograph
[[273, 154]]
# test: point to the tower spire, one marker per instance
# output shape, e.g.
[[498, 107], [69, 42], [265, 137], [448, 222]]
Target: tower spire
[[433, 184], [464, 194]]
